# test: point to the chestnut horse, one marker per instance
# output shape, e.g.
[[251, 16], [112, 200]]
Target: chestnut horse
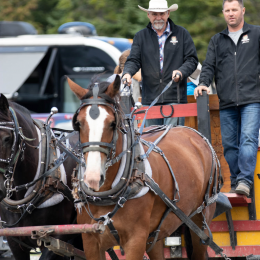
[[190, 159], [24, 168]]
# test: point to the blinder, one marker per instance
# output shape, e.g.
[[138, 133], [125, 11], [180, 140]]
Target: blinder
[[75, 123]]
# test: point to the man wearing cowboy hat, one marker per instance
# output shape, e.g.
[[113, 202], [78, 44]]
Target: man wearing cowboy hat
[[164, 51]]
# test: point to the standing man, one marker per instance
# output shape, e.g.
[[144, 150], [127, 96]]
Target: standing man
[[233, 57], [164, 51]]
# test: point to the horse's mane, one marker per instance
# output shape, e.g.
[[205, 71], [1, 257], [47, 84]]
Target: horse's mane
[[23, 110], [18, 108], [102, 89]]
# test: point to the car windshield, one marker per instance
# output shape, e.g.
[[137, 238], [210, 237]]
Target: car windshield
[[71, 102]]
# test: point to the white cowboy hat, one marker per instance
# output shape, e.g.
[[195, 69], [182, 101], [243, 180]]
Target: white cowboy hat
[[160, 6]]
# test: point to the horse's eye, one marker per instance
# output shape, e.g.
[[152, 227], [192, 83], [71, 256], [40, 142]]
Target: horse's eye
[[113, 124], [7, 139]]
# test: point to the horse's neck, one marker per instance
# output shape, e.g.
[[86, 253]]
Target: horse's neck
[[113, 170]]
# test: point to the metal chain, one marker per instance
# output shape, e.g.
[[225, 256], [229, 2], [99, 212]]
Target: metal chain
[[224, 256]]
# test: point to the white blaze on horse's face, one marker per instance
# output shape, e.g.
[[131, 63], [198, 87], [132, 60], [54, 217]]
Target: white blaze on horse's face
[[95, 164]]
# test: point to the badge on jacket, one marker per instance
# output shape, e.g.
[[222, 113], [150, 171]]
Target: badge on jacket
[[174, 40], [245, 39]]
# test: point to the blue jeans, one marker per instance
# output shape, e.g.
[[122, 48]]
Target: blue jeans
[[240, 130], [165, 121]]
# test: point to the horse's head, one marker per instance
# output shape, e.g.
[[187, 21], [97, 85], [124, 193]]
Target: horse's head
[[6, 142], [97, 121]]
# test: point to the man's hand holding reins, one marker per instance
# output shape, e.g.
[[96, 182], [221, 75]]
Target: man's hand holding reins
[[176, 75], [127, 77], [198, 90]]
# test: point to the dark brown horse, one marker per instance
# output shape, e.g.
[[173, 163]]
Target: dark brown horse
[[191, 161], [24, 168]]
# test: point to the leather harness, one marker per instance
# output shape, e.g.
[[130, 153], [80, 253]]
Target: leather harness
[[136, 178], [133, 179], [48, 182]]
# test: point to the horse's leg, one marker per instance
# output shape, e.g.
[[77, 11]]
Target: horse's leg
[[157, 253], [19, 252], [91, 248], [136, 246], [197, 250]]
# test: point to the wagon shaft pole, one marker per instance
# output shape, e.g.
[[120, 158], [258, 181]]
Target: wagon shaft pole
[[57, 246], [53, 230]]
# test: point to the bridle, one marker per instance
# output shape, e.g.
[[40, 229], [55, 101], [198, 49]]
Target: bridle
[[107, 148], [12, 160]]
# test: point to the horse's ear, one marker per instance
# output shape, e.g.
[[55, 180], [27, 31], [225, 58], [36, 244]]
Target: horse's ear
[[4, 105], [76, 89], [114, 87]]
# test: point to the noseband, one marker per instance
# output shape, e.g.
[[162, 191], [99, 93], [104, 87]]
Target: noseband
[[94, 112]]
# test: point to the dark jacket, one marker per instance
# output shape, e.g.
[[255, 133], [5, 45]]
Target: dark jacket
[[236, 68], [179, 55]]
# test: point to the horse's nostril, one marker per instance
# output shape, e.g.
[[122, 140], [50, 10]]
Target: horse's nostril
[[102, 180]]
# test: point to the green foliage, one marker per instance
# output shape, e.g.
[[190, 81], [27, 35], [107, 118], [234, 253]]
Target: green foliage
[[17, 10], [202, 18]]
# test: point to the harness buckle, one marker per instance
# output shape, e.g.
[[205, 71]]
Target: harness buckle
[[121, 204], [21, 206], [2, 224], [199, 209], [122, 130], [10, 169], [95, 198], [30, 208], [107, 219]]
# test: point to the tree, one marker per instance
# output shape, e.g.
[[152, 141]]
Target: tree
[[120, 18], [17, 10]]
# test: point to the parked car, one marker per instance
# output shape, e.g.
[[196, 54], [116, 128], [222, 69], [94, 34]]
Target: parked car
[[60, 120], [33, 69], [89, 30]]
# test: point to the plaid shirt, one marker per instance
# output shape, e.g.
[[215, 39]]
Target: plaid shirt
[[161, 40]]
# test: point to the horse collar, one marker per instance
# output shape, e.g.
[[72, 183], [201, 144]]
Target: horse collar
[[94, 110]]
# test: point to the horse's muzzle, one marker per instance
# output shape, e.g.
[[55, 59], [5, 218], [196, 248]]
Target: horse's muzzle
[[95, 181]]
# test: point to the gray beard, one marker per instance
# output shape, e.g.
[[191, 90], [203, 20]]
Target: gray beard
[[158, 25]]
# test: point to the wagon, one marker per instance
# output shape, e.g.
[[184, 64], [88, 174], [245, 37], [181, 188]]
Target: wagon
[[237, 231]]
